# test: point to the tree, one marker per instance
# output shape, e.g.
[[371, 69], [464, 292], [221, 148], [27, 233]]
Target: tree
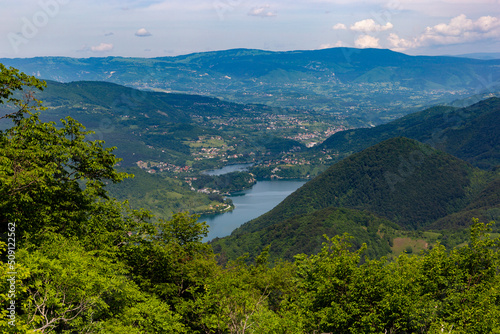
[[243, 298], [68, 234], [13, 82], [52, 179]]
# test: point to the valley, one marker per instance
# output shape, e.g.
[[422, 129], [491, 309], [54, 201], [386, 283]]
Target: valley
[[289, 115], [364, 87], [174, 138], [336, 220]]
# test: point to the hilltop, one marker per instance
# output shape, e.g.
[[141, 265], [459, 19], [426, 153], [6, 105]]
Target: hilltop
[[400, 179], [471, 133], [398, 184]]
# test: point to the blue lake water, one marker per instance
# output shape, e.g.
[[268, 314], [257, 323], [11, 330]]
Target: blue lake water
[[228, 169], [250, 204]]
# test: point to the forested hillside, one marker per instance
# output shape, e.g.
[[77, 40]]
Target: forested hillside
[[409, 184], [304, 233], [401, 179], [75, 260], [471, 133]]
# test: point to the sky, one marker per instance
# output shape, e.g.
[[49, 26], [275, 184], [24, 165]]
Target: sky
[[158, 28]]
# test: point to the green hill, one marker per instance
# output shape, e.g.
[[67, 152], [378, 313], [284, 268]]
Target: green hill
[[399, 183], [167, 106], [160, 194], [304, 234], [484, 206], [401, 179], [471, 133]]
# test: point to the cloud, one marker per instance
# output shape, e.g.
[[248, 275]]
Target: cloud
[[142, 33], [487, 23], [103, 47], [262, 11], [329, 45], [369, 25], [459, 30], [367, 41], [401, 44], [339, 26]]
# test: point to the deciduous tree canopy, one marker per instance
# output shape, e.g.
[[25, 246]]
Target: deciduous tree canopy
[[74, 260]]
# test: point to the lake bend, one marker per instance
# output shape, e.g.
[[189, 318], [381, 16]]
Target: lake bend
[[250, 204]]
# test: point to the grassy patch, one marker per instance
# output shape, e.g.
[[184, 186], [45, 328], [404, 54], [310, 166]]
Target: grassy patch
[[405, 244], [207, 143]]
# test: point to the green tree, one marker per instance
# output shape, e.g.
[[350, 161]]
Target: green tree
[[247, 298], [70, 237], [174, 264], [51, 178], [16, 91], [325, 279]]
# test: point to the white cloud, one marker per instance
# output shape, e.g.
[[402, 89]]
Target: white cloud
[[401, 44], [487, 23], [262, 11], [456, 27], [339, 26], [142, 33], [329, 45], [103, 47], [459, 30], [369, 25], [367, 41]]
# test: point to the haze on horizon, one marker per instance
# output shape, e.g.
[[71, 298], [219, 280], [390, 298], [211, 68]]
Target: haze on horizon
[[155, 28]]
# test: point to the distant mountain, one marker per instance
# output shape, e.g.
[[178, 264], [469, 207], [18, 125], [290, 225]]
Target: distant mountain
[[364, 86], [483, 55], [336, 65], [398, 180], [470, 133]]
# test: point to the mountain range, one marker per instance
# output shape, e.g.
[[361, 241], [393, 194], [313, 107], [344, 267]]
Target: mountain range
[[366, 86], [336, 65], [471, 133], [428, 171]]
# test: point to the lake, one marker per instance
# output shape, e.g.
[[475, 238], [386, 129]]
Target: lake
[[250, 204], [228, 169]]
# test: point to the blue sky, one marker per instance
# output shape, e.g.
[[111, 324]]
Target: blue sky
[[154, 28]]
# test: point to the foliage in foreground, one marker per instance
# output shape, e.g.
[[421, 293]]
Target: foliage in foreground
[[84, 263]]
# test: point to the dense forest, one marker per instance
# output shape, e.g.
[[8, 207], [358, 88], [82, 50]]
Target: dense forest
[[470, 133], [76, 260], [380, 194]]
